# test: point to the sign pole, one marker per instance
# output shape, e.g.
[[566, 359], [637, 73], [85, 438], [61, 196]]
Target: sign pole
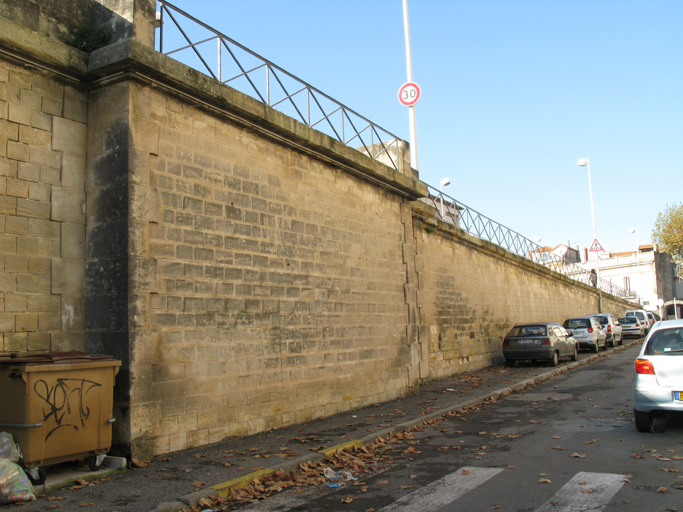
[[411, 109]]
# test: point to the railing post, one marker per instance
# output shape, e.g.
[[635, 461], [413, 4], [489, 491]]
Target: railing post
[[220, 41]]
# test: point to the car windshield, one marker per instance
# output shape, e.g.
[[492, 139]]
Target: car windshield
[[602, 319], [665, 341], [577, 323], [628, 320], [528, 330]]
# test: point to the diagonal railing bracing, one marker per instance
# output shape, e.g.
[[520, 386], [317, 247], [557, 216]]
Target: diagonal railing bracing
[[462, 216], [199, 46]]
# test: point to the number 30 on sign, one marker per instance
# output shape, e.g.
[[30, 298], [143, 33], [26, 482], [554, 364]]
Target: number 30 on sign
[[408, 94]]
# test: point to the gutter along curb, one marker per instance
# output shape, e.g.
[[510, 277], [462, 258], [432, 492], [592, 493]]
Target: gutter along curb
[[223, 489]]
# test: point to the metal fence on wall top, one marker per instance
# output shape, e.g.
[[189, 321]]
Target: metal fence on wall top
[[462, 216], [199, 46], [203, 48]]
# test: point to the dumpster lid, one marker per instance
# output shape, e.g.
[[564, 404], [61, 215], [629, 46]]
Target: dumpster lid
[[71, 356]]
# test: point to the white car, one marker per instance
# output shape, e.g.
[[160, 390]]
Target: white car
[[641, 315], [658, 383]]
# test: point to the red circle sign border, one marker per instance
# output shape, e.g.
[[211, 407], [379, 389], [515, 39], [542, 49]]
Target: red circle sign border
[[417, 97]]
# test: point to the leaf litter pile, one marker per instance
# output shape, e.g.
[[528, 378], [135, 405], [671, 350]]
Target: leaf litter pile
[[361, 462]]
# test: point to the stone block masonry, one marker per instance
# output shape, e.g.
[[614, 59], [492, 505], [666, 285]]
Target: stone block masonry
[[471, 293], [42, 217], [279, 283], [248, 271]]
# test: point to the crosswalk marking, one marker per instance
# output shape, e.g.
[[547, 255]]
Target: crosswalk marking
[[586, 491], [594, 495], [443, 491]]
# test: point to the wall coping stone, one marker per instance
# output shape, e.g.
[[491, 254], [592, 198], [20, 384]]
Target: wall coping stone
[[130, 59], [21, 44], [428, 215]]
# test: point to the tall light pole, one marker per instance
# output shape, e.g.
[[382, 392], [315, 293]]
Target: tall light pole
[[585, 162], [640, 274], [443, 182], [411, 109]]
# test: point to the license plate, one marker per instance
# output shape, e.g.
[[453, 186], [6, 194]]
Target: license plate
[[678, 396], [528, 342]]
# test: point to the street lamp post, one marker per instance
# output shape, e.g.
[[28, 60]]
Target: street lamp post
[[585, 162], [640, 274], [443, 182]]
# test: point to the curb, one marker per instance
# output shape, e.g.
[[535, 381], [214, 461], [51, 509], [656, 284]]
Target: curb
[[223, 489]]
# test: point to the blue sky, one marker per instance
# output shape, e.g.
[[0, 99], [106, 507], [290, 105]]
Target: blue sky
[[513, 94]]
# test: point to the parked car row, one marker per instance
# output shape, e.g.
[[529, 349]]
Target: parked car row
[[550, 341]]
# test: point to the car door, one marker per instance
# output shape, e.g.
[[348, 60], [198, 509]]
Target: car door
[[561, 340], [602, 335], [571, 342]]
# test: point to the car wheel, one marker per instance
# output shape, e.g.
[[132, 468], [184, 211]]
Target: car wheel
[[595, 348], [575, 354], [643, 421], [554, 361]]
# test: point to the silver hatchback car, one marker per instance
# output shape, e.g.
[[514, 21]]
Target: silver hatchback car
[[658, 382], [587, 332]]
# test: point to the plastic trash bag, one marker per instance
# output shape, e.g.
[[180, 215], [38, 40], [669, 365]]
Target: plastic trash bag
[[8, 448], [14, 484], [338, 476]]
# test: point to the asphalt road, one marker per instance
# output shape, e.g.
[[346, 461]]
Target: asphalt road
[[567, 444], [503, 445]]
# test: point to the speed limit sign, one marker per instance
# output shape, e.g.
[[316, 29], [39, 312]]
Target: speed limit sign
[[408, 94]]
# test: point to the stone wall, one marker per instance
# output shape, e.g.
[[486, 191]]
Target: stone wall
[[472, 292], [248, 271], [42, 211]]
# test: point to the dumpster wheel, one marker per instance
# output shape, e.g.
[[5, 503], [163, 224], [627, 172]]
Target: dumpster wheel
[[95, 461], [42, 476]]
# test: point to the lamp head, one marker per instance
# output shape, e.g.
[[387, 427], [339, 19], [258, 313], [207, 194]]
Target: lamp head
[[582, 162], [445, 182]]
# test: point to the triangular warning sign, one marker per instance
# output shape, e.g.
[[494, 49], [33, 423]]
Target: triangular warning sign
[[596, 247]]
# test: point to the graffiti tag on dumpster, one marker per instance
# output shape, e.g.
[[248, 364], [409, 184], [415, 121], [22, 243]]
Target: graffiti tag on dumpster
[[64, 402]]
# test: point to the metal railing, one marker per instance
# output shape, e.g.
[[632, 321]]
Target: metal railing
[[199, 46], [462, 216]]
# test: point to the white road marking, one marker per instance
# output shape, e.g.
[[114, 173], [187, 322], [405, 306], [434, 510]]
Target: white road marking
[[574, 497], [444, 491]]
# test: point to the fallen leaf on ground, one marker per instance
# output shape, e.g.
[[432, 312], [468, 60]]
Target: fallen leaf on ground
[[638, 456], [406, 487], [347, 499], [465, 472], [662, 490], [88, 504], [559, 448], [586, 491], [544, 481], [576, 455]]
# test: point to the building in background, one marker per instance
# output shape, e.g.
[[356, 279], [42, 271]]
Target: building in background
[[646, 273], [551, 256]]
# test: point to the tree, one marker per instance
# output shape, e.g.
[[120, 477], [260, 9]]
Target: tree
[[668, 234]]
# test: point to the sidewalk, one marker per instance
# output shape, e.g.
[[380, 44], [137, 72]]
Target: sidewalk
[[175, 481]]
